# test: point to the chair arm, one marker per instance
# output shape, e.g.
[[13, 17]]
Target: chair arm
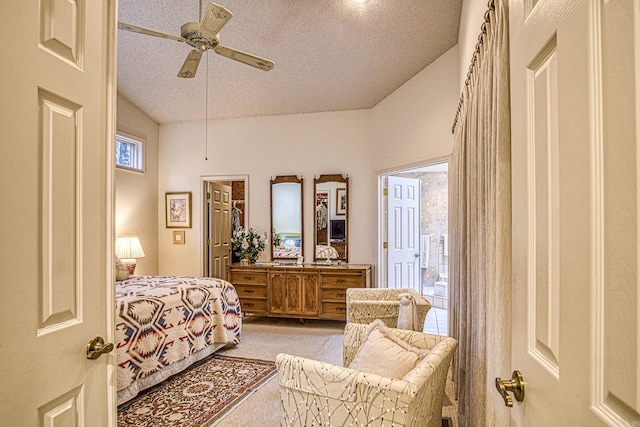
[[326, 379], [318, 393]]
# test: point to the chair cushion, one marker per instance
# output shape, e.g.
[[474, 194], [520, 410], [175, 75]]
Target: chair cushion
[[384, 354]]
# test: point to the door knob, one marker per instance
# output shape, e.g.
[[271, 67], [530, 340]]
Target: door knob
[[97, 348], [514, 385]]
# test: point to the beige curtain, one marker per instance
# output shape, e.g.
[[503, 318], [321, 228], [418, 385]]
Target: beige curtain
[[480, 228]]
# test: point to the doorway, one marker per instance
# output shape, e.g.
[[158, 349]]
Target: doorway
[[430, 247], [225, 208]]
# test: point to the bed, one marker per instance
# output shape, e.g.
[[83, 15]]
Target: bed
[[326, 251], [166, 323], [322, 252]]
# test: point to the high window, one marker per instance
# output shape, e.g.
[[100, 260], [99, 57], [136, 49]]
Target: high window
[[129, 153]]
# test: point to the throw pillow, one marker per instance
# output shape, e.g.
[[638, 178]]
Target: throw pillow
[[121, 271], [382, 353]]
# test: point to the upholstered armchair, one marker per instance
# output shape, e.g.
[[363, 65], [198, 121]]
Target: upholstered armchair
[[314, 393], [364, 305]]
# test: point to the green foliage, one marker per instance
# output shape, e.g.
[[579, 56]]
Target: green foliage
[[248, 243]]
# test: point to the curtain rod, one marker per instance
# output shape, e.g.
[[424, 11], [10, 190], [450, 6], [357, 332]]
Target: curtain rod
[[474, 59]]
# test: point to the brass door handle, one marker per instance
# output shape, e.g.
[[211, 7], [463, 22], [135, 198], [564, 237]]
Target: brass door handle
[[97, 348], [514, 385]]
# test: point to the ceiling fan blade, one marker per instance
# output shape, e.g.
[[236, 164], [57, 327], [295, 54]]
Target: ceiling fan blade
[[141, 30], [245, 58], [190, 65], [213, 20]]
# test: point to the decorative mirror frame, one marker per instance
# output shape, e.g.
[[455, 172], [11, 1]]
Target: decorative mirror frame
[[341, 200], [280, 179]]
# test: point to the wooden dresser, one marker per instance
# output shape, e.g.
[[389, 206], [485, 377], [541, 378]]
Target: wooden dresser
[[307, 292]]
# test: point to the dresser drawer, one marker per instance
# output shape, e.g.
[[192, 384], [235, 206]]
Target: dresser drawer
[[334, 294], [253, 306], [251, 291], [341, 281], [334, 310], [248, 278]]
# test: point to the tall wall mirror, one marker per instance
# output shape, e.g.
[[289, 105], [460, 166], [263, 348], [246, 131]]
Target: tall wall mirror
[[331, 231], [287, 227]]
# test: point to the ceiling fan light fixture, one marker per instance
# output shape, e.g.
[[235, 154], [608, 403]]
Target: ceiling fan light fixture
[[202, 36]]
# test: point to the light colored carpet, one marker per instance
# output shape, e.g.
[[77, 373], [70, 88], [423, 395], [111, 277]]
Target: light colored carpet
[[264, 338]]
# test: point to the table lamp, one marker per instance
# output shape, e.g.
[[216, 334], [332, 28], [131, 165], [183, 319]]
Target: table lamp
[[128, 248]]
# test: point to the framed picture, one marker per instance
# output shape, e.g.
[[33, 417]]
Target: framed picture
[[341, 201], [178, 210]]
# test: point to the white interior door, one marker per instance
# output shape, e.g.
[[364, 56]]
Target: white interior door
[[575, 112], [219, 200], [57, 63], [403, 232]]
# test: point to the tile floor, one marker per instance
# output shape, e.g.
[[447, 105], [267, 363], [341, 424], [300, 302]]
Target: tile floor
[[437, 321]]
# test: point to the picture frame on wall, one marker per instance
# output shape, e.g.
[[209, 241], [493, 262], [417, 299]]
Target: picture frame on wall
[[341, 201], [178, 209]]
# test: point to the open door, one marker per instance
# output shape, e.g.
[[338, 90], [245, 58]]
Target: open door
[[218, 229], [575, 115], [58, 137], [403, 230]]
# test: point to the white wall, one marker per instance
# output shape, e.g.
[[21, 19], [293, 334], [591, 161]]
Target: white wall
[[137, 193], [471, 20], [413, 124], [263, 147]]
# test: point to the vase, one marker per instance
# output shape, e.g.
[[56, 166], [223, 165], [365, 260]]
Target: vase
[[249, 259]]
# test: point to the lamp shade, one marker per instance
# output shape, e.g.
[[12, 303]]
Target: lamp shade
[[129, 247]]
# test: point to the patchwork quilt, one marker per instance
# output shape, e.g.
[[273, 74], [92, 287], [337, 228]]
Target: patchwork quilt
[[163, 320]]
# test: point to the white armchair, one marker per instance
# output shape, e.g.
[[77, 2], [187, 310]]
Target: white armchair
[[314, 393], [364, 305]]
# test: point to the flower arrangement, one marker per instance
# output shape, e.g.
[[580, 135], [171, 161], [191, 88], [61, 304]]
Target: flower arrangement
[[277, 240], [248, 243]]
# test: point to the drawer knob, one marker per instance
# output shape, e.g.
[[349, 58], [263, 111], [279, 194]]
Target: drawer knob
[[248, 291]]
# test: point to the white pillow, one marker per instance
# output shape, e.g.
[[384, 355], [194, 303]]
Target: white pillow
[[384, 354]]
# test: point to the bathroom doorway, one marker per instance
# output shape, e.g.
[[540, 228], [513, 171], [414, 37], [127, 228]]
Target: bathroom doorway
[[432, 245]]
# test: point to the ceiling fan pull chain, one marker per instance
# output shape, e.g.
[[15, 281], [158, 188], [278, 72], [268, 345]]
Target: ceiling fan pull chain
[[206, 111]]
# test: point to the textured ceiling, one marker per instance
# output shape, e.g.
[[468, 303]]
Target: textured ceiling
[[330, 55]]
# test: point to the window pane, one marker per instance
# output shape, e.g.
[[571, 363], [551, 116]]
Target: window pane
[[124, 153], [129, 153]]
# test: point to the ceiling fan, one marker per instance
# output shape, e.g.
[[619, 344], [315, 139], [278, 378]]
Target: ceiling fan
[[202, 36]]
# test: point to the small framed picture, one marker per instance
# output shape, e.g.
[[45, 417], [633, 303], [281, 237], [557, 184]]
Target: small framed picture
[[341, 201], [178, 210], [178, 237]]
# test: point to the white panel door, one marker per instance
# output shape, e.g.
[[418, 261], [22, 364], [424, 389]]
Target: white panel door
[[57, 84], [575, 115], [403, 233]]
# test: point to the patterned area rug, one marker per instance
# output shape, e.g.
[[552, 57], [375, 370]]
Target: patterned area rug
[[198, 396]]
